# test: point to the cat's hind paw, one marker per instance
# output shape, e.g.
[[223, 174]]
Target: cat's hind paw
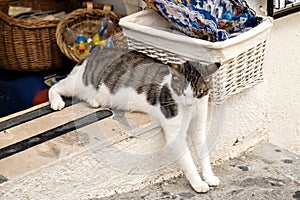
[[212, 180], [201, 187], [57, 104]]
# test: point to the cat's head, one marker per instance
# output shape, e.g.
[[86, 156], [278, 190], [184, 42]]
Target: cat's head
[[189, 80]]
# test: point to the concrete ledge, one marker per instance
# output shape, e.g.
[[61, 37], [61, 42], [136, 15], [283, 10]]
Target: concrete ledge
[[115, 155]]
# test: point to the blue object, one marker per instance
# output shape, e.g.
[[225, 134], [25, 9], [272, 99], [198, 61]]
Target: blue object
[[103, 28], [208, 19], [18, 90], [227, 15], [81, 39]]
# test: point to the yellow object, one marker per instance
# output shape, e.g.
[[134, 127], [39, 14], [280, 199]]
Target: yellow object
[[149, 2], [96, 39], [81, 47]]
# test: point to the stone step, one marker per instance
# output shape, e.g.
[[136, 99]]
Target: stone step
[[74, 142]]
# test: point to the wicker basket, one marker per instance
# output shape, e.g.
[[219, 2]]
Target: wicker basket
[[30, 45], [86, 19], [241, 57]]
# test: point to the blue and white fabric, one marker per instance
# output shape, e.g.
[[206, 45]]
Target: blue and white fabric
[[212, 20]]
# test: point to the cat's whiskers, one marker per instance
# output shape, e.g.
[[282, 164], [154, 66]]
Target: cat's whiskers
[[168, 103]]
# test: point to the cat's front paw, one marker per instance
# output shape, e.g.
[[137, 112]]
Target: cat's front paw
[[93, 103], [57, 104], [212, 180], [201, 187]]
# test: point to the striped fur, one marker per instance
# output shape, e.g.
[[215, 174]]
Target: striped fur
[[143, 74]]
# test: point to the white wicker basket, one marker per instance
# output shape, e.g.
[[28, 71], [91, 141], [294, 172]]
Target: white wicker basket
[[241, 57]]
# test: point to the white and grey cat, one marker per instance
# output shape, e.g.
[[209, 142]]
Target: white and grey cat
[[175, 95]]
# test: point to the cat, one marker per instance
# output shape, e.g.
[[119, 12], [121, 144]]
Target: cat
[[176, 95]]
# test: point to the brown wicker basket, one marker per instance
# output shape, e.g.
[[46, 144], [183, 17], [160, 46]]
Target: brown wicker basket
[[30, 45], [85, 18]]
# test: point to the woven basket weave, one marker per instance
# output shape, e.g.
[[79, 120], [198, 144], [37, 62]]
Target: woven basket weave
[[30, 45], [84, 18], [241, 57]]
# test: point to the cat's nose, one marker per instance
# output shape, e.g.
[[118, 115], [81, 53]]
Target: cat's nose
[[189, 101]]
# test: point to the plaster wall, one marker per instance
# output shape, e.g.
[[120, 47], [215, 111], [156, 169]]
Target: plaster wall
[[270, 110], [282, 76]]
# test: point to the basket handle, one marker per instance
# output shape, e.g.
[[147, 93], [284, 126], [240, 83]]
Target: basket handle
[[105, 7]]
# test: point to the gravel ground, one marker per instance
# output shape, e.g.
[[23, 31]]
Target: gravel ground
[[266, 172]]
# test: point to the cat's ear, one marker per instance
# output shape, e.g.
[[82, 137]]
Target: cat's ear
[[205, 69], [210, 69], [175, 68]]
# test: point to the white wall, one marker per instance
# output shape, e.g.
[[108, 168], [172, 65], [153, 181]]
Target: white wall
[[270, 110], [283, 83]]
